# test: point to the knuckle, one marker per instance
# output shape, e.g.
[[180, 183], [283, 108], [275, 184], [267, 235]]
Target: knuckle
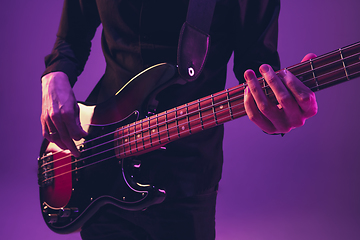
[[252, 117], [264, 107], [291, 84], [314, 110], [298, 122], [285, 99], [285, 129], [311, 112], [309, 100], [253, 89], [67, 116], [271, 78], [306, 98]]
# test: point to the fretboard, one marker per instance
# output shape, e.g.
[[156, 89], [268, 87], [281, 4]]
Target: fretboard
[[152, 132]]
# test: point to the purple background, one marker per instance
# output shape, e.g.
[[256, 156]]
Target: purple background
[[302, 186]]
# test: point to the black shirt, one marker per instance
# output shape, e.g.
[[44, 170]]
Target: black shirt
[[139, 33]]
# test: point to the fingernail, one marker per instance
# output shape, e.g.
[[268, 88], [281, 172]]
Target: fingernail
[[248, 75], [264, 68]]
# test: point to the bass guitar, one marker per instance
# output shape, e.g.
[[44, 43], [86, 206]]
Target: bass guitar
[[73, 189]]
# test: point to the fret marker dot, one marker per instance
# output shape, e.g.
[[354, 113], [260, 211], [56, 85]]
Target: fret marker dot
[[221, 106], [181, 112], [183, 128], [138, 136], [153, 130], [125, 140]]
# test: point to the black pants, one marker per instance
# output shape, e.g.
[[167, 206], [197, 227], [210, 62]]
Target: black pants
[[191, 218]]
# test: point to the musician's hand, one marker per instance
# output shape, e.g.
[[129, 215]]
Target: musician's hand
[[60, 112], [296, 101]]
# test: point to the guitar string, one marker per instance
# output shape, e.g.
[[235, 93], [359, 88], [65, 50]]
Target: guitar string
[[186, 107], [83, 159], [330, 54], [108, 158], [306, 62], [260, 79], [89, 164], [243, 85], [158, 134], [146, 129], [134, 142]]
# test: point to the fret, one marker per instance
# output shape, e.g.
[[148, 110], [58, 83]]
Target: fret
[[343, 63], [314, 76], [146, 132], [207, 112], [135, 138], [127, 139], [183, 121], [172, 124], [200, 115], [167, 126], [132, 142], [157, 129], [221, 105], [352, 60], [332, 78], [163, 136], [177, 123], [213, 109], [329, 69], [187, 117], [152, 131], [236, 95], [119, 142], [194, 121], [229, 104], [123, 140], [142, 134]]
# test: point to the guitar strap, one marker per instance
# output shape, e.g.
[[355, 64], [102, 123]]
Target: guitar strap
[[193, 46], [194, 39]]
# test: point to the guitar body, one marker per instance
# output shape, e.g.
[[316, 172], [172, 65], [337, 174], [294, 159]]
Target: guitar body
[[73, 189]]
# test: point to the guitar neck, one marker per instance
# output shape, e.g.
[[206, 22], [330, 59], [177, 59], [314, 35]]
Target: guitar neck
[[152, 132]]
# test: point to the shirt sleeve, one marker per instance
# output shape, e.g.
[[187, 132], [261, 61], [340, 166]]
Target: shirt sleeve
[[77, 28], [257, 30]]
